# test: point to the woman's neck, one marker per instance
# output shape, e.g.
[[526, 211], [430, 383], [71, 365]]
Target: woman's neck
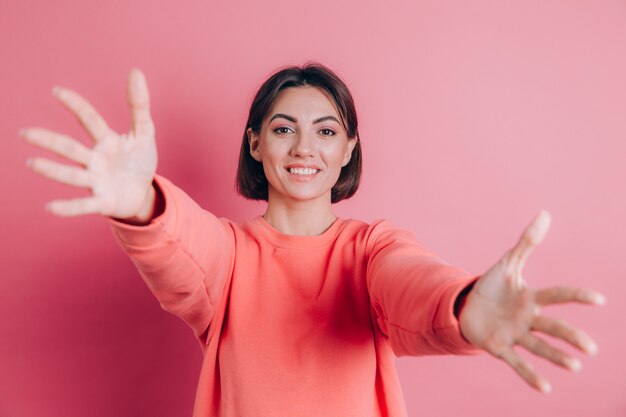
[[301, 218]]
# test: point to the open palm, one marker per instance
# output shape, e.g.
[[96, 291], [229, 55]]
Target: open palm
[[501, 311], [119, 169]]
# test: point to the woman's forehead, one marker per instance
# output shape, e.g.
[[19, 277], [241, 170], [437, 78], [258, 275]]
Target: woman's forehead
[[304, 102]]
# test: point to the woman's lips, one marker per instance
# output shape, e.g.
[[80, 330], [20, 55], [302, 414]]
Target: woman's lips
[[302, 173], [302, 170]]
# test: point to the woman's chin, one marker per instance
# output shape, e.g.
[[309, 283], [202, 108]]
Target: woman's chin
[[301, 195]]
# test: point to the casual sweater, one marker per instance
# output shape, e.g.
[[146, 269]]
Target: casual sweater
[[297, 325]]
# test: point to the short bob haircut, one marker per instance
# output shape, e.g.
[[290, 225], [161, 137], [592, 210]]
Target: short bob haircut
[[251, 179]]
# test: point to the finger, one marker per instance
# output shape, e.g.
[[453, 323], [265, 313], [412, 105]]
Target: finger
[[76, 207], [524, 370], [139, 102], [65, 174], [60, 144], [560, 295], [562, 330], [84, 112], [534, 233], [541, 348]]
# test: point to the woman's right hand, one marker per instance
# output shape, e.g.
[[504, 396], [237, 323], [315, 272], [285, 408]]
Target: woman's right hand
[[119, 169]]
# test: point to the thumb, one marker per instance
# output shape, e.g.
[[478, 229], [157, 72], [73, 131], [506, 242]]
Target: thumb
[[534, 234], [139, 103]]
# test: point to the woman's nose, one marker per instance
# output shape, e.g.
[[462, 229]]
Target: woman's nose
[[303, 145]]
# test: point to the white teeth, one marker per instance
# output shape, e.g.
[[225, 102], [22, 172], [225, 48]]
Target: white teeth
[[303, 171]]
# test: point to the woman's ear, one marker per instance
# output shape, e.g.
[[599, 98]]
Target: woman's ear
[[351, 144], [253, 142]]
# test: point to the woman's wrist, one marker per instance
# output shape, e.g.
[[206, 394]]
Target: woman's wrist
[[151, 208]]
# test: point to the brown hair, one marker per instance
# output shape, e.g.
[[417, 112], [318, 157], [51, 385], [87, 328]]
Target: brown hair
[[251, 180]]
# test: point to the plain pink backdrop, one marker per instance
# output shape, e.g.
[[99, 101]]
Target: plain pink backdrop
[[474, 116]]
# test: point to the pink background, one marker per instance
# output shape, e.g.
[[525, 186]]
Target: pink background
[[474, 116]]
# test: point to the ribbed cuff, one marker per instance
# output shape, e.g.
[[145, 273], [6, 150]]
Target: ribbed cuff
[[145, 235]]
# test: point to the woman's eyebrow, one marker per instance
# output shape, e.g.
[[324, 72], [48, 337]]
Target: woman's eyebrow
[[294, 120], [321, 119]]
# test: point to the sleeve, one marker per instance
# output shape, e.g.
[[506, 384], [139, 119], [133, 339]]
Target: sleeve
[[413, 294], [184, 255]]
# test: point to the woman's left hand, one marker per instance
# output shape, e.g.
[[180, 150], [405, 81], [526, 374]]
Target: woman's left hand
[[501, 311]]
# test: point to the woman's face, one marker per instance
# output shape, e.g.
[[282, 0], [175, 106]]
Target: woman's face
[[302, 145]]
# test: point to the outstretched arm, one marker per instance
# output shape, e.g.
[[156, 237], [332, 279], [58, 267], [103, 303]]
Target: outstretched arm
[[501, 311], [413, 292], [183, 252]]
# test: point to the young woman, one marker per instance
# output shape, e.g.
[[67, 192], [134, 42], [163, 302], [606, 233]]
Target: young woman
[[299, 312]]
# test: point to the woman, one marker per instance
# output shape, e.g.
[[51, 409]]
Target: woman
[[299, 312]]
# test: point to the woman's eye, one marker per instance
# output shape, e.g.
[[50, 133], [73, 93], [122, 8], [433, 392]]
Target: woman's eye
[[327, 132], [282, 130]]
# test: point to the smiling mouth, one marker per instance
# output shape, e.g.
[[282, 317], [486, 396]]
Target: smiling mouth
[[303, 171]]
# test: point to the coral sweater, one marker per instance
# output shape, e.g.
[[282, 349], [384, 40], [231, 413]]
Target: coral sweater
[[296, 325]]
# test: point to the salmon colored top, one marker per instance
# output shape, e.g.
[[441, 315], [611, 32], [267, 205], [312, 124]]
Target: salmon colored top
[[297, 325]]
